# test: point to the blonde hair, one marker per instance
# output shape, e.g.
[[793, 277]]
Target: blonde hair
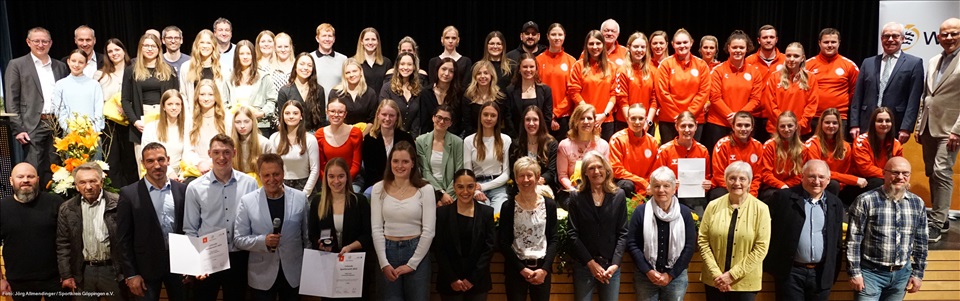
[[361, 55], [343, 86], [576, 116], [162, 121], [803, 77], [248, 148], [788, 149], [195, 73], [273, 56], [162, 71], [326, 27], [644, 64], [326, 196], [473, 90], [218, 111], [607, 186], [386, 102]]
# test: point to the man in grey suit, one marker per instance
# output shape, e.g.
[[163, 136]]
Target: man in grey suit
[[938, 128], [272, 225], [891, 79], [29, 86]]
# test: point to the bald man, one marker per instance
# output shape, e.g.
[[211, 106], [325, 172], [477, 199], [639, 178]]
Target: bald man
[[887, 244], [28, 233], [804, 256]]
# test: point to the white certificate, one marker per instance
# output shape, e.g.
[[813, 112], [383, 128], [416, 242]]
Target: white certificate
[[202, 255], [691, 174], [329, 275]]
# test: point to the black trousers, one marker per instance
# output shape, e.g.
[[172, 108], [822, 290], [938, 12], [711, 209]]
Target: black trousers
[[35, 290], [517, 289], [714, 294], [232, 280]]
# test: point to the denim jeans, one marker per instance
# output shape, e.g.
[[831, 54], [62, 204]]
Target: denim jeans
[[495, 198], [647, 291], [584, 285], [883, 285], [413, 286]]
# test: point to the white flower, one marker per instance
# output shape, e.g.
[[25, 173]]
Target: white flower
[[60, 175], [103, 165], [561, 214], [62, 186]]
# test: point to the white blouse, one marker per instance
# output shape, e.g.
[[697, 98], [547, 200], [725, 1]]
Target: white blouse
[[297, 166], [489, 166]]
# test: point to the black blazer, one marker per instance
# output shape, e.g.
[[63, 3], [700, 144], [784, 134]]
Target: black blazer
[[311, 120], [635, 242], [516, 106], [356, 223], [548, 167], [598, 233], [787, 215], [429, 104], [505, 236], [375, 156], [131, 98], [453, 261], [139, 237]]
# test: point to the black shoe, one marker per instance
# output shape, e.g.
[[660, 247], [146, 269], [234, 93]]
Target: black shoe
[[933, 235], [946, 226]]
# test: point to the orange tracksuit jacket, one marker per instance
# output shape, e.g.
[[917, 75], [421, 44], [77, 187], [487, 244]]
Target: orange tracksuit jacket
[[632, 158], [836, 78], [671, 151], [774, 66], [840, 170], [771, 177], [800, 102], [726, 152], [554, 72], [867, 165], [594, 88], [638, 90], [732, 90], [682, 87]]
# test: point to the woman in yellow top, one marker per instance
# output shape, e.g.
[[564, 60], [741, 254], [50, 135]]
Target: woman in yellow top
[[733, 265]]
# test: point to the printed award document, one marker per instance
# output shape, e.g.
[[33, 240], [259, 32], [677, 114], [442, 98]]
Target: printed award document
[[691, 173], [196, 256], [330, 275]]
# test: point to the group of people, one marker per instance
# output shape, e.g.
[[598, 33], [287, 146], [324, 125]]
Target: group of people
[[411, 163]]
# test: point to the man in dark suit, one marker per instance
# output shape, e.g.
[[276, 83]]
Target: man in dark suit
[[29, 86], [804, 256], [86, 39], [891, 79], [148, 211]]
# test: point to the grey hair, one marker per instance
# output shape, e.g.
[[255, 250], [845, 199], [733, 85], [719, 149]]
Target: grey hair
[[82, 27], [611, 22], [898, 26], [738, 167], [89, 166], [663, 174]]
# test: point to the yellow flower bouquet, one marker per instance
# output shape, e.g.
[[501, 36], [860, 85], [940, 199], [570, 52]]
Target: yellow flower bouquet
[[79, 146]]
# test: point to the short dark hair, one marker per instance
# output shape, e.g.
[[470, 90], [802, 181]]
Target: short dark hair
[[765, 27], [152, 146], [269, 158], [829, 31], [222, 138]]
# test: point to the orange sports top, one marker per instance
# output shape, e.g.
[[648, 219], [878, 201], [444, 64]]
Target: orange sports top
[[632, 158], [771, 167], [766, 69], [594, 88], [726, 152], [682, 87], [733, 89], [671, 151], [836, 78], [803, 103], [554, 71], [866, 164], [840, 169], [639, 89]]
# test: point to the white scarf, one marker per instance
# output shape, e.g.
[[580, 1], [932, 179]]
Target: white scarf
[[677, 231]]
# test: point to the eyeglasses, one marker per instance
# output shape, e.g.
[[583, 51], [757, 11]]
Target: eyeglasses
[[949, 34], [898, 173], [41, 42], [336, 112], [443, 119], [890, 36]]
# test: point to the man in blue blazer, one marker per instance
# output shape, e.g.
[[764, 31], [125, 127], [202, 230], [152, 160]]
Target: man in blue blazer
[[899, 88], [275, 256]]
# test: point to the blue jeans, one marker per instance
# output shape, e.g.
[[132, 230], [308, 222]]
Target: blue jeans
[[883, 285], [584, 285], [413, 286], [647, 291], [495, 198]]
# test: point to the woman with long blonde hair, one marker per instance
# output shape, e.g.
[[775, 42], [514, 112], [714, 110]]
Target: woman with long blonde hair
[[168, 130], [379, 140], [142, 86], [792, 89], [355, 93], [204, 63], [582, 137], [783, 156], [593, 81], [482, 89], [250, 143], [266, 48], [487, 152], [209, 119]]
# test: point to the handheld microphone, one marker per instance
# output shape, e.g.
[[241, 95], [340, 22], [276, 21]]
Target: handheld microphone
[[276, 230]]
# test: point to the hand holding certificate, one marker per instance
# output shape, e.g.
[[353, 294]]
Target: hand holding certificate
[[202, 255], [330, 275]]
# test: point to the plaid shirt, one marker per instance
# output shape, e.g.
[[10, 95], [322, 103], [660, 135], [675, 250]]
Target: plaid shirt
[[887, 232]]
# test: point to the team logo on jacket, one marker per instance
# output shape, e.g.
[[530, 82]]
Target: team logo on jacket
[[647, 153], [779, 67], [564, 67], [695, 72], [747, 76], [733, 158], [753, 158], [839, 71], [619, 62]]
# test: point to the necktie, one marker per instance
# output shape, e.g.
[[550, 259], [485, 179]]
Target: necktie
[[730, 234], [884, 77]]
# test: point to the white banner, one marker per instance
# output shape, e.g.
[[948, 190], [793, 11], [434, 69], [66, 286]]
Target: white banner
[[921, 19]]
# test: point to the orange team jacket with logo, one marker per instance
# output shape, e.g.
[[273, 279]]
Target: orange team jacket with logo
[[594, 88], [554, 72], [836, 78], [726, 152], [777, 173], [732, 90], [840, 169], [682, 87], [671, 151], [802, 103], [765, 69], [617, 57], [639, 89], [632, 158], [867, 165]]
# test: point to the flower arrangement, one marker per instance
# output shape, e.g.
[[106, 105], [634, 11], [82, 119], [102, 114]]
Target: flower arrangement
[[632, 203], [564, 259], [80, 145]]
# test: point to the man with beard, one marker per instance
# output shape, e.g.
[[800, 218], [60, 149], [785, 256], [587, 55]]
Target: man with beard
[[28, 233], [529, 42]]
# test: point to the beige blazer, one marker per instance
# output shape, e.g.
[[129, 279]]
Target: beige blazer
[[940, 106]]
